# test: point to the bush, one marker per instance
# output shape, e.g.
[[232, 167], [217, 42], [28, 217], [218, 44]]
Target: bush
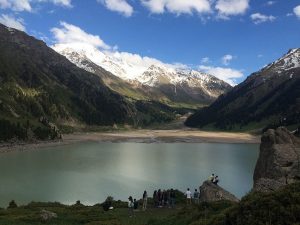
[[12, 205]]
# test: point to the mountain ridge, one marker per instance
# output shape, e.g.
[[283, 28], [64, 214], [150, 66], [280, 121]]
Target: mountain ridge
[[266, 98], [169, 84]]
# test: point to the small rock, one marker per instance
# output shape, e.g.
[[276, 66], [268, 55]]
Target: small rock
[[47, 215]]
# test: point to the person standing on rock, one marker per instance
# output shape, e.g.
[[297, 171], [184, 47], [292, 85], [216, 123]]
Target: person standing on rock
[[211, 178], [216, 180], [188, 195]]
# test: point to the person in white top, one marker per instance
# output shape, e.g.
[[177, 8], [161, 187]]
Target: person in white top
[[130, 206], [188, 195]]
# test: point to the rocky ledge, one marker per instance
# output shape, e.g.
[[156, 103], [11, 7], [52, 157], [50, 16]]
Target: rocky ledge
[[211, 192], [279, 160]]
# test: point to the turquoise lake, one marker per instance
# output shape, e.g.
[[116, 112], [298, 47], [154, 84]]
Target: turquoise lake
[[91, 171]]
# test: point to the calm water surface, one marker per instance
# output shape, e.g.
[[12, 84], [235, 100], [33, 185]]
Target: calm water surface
[[91, 171]]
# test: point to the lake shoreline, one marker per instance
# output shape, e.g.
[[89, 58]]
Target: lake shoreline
[[139, 136]]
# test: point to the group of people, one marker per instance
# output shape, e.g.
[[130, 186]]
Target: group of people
[[214, 179], [165, 198]]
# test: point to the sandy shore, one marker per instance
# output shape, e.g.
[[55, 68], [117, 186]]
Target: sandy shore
[[141, 136], [165, 136]]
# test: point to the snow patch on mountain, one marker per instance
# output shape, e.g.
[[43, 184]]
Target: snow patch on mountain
[[289, 61]]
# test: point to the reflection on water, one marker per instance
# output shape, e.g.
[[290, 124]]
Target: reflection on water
[[91, 171]]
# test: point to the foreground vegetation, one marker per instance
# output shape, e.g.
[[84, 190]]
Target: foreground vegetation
[[276, 208]]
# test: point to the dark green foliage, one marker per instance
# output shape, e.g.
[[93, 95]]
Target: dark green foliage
[[276, 208], [9, 130], [12, 205], [203, 214], [45, 133], [153, 112]]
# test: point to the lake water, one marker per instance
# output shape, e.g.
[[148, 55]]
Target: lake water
[[89, 172]]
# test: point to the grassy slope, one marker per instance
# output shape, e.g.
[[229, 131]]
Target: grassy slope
[[277, 208]]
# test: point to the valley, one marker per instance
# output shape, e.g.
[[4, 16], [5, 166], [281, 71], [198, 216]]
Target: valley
[[149, 112]]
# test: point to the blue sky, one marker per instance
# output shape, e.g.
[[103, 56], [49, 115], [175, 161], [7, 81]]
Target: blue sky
[[217, 36]]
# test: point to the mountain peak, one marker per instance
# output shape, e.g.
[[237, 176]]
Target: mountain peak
[[288, 61]]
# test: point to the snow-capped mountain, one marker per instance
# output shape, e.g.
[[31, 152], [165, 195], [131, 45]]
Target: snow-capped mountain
[[156, 76], [176, 85], [289, 61]]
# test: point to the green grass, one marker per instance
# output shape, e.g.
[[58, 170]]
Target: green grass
[[281, 207], [77, 215]]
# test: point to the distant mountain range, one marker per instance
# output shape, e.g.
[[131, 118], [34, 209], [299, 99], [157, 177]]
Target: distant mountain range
[[160, 82], [269, 97]]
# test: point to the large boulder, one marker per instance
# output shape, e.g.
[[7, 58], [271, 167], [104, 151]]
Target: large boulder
[[279, 160], [210, 192]]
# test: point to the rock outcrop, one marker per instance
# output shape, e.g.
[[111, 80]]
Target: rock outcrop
[[279, 160], [210, 192]]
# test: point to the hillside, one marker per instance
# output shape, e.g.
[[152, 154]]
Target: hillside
[[175, 87], [269, 97], [40, 90]]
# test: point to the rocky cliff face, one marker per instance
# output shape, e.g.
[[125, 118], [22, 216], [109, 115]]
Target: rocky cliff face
[[211, 192], [279, 160]]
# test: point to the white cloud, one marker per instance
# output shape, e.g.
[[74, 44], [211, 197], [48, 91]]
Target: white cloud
[[11, 21], [25, 5], [258, 18], [69, 33], [177, 6], [270, 3], [297, 11], [205, 60], [231, 7], [227, 74], [16, 5], [224, 8], [226, 59], [120, 6], [66, 3]]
